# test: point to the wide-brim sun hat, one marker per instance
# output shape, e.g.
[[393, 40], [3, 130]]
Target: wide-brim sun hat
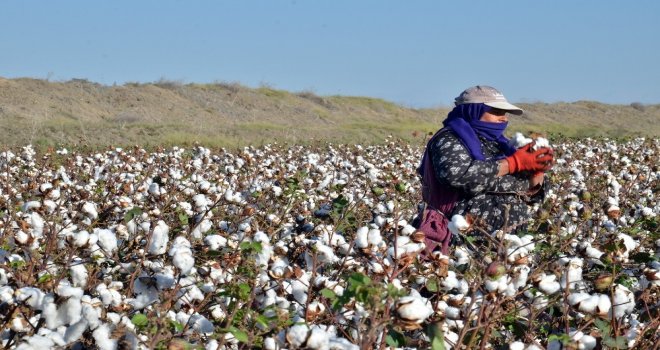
[[489, 96]]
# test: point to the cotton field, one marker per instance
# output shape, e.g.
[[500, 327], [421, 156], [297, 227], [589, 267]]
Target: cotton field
[[311, 247]]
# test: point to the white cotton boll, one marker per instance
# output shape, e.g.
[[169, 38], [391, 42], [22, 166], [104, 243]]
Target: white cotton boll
[[514, 254], [154, 189], [462, 256], [342, 344], [518, 140], [29, 205], [458, 224], [159, 239], [213, 344], [604, 305], [50, 206], [647, 212], [36, 223], [629, 242], [375, 267], [215, 242], [624, 301], [318, 339], [453, 313], [521, 273], [361, 237], [587, 342], [324, 254], [516, 345], [89, 209], [549, 285], [201, 324], [36, 342], [380, 221], [373, 237], [183, 260], [75, 331], [270, 344], [106, 240], [513, 240], [533, 347], [572, 275], [244, 227], [576, 298], [201, 229], [588, 305], [19, 324], [297, 335], [407, 230], [413, 308], [201, 202], [21, 237], [102, 337], [450, 281], [540, 142], [109, 297], [299, 291], [593, 253], [31, 296], [78, 273]]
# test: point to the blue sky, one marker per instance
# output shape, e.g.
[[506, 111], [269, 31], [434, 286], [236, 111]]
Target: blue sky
[[417, 53]]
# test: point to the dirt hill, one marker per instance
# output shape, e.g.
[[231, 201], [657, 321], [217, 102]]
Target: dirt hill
[[79, 112]]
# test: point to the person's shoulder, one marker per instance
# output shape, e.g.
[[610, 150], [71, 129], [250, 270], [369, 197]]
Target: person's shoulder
[[446, 137]]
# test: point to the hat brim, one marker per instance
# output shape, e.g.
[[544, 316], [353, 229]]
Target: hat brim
[[505, 106]]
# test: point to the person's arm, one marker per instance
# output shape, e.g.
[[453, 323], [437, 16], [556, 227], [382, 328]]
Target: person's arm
[[453, 164]]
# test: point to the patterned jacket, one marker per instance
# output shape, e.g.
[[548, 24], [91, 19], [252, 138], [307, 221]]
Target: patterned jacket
[[482, 194]]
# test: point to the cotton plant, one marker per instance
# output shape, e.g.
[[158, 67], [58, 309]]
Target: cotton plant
[[181, 236]]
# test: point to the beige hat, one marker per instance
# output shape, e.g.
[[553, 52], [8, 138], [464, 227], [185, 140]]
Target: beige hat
[[488, 96]]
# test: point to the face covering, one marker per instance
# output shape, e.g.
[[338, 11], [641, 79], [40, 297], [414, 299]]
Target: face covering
[[464, 121]]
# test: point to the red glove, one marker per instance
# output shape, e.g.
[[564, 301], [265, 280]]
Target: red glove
[[525, 159]]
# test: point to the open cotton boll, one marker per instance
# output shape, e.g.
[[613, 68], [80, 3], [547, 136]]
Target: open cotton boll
[[102, 337], [624, 301], [159, 239], [319, 339], [106, 240], [201, 228], [31, 296], [540, 142], [78, 273], [413, 308], [576, 298], [36, 342], [516, 345], [548, 284], [201, 324], [571, 276], [629, 242], [89, 209], [361, 237], [324, 254], [458, 224], [518, 140], [29, 205], [183, 260], [215, 242]]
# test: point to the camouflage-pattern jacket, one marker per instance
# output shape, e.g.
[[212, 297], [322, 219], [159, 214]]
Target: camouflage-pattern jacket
[[482, 194]]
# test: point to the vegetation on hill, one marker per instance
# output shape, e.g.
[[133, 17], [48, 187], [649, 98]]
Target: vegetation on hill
[[82, 113]]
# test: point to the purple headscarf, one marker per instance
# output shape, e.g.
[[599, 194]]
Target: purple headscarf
[[464, 121]]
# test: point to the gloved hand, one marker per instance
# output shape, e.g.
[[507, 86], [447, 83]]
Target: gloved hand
[[526, 159]]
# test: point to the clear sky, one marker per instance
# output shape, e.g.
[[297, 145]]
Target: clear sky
[[417, 53]]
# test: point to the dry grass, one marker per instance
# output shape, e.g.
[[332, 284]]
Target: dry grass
[[79, 112]]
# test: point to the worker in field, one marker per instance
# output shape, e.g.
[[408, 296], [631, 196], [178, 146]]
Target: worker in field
[[470, 168]]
